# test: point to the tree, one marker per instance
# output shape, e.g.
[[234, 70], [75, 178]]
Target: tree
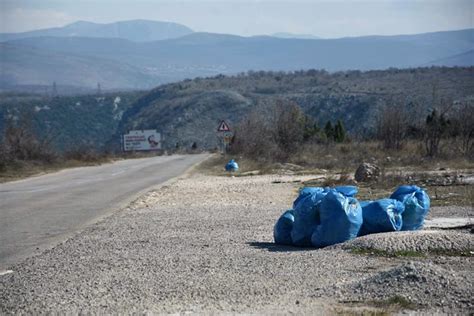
[[289, 123], [20, 141], [465, 127], [436, 127], [265, 137], [339, 132], [311, 129], [392, 126], [329, 131]]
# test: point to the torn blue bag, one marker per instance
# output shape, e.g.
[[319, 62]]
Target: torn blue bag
[[417, 205]]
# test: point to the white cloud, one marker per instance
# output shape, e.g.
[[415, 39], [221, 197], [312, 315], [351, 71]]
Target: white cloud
[[21, 20]]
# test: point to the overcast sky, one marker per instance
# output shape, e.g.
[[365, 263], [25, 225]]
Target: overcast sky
[[325, 18]]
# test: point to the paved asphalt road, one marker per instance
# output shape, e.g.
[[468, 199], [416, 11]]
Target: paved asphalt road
[[38, 212]]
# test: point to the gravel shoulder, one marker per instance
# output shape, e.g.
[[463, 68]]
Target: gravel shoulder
[[204, 244]]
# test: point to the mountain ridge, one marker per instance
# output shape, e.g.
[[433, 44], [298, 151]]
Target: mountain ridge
[[134, 30], [201, 54]]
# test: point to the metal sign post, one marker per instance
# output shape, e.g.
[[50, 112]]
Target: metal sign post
[[225, 135]]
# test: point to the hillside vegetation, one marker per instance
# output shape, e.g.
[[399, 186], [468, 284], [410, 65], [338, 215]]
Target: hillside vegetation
[[189, 111], [67, 123]]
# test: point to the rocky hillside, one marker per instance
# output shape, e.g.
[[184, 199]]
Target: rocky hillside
[[190, 111]]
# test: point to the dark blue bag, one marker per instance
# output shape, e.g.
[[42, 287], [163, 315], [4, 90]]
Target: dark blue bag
[[417, 205], [381, 216], [340, 220], [283, 227]]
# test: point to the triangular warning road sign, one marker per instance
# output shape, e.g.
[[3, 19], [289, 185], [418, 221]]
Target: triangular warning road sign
[[223, 127]]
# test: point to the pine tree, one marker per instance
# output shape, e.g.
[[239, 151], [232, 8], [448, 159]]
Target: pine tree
[[329, 131], [339, 132]]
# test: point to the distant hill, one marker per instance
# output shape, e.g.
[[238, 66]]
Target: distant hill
[[135, 30], [145, 64], [465, 59], [27, 65], [296, 36], [70, 122], [189, 111]]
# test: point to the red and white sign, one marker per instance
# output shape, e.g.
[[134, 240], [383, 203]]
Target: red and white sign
[[223, 127], [142, 140]]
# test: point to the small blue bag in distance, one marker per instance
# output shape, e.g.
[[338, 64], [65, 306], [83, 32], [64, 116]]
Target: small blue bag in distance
[[231, 166]]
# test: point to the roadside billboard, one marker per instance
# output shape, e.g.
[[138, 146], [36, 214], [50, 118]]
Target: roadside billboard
[[142, 140]]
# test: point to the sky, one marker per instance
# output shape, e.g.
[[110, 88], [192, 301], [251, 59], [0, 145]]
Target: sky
[[324, 18]]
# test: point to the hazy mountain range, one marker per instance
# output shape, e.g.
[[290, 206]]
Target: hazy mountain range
[[143, 54], [135, 30], [295, 36]]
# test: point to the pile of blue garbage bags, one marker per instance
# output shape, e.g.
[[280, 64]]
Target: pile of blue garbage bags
[[322, 217]]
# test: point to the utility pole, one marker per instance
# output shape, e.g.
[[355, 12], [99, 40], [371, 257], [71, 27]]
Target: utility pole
[[55, 90]]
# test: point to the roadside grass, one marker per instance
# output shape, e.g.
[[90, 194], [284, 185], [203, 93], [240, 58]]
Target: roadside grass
[[20, 169], [397, 302], [349, 155], [24, 169], [445, 187], [383, 307], [440, 195], [410, 253]]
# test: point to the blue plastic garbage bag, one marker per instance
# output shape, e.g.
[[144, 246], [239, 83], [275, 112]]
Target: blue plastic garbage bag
[[347, 190], [340, 220], [283, 227], [417, 205], [306, 212], [317, 193], [231, 166], [381, 216], [364, 204]]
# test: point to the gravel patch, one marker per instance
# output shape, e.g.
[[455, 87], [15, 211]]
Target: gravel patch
[[422, 283], [424, 241], [451, 211], [204, 244]]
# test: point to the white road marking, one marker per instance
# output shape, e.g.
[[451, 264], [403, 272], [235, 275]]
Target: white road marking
[[2, 273]]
